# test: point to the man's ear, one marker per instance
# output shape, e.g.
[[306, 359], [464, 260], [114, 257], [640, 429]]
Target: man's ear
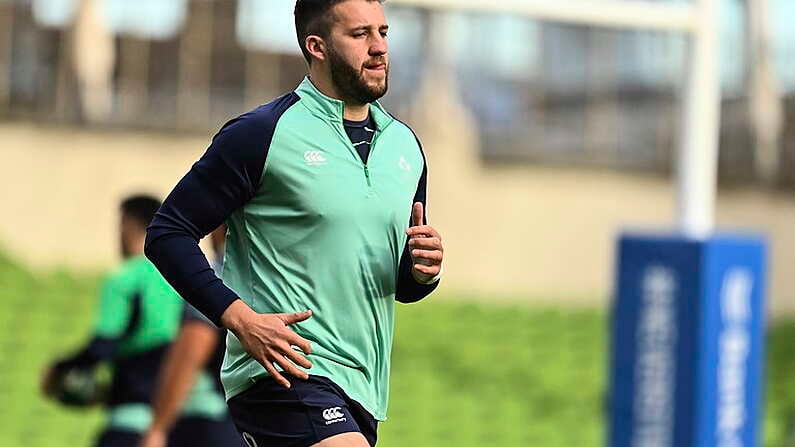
[[316, 47]]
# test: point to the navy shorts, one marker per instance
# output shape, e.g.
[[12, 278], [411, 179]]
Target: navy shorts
[[118, 438], [269, 415], [203, 432], [187, 432]]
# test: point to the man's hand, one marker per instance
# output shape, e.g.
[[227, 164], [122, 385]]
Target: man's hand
[[425, 245], [267, 338], [154, 438]]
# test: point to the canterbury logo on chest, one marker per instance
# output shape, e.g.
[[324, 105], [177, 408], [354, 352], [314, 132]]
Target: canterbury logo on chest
[[314, 158]]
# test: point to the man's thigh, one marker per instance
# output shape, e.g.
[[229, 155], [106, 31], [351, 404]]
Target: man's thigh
[[308, 413], [344, 440]]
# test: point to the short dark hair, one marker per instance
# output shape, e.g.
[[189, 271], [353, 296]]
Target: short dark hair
[[140, 207], [313, 17]]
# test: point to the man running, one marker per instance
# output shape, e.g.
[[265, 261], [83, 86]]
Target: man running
[[324, 195]]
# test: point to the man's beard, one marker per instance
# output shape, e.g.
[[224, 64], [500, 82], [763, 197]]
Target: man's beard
[[350, 81]]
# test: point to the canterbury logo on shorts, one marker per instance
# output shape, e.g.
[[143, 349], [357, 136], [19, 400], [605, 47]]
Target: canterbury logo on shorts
[[250, 442], [332, 415]]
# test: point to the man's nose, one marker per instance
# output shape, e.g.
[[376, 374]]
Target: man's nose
[[378, 46]]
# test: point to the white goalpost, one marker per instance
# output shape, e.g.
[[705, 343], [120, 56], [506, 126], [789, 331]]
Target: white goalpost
[[698, 142]]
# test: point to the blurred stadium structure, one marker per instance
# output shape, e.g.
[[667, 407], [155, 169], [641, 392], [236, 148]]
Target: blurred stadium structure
[[540, 91], [544, 140], [525, 111]]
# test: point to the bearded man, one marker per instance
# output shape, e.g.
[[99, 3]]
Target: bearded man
[[324, 195]]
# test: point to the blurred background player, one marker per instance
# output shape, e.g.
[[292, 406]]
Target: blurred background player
[[138, 317], [197, 354]]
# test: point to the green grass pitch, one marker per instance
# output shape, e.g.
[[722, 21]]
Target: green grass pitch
[[464, 374]]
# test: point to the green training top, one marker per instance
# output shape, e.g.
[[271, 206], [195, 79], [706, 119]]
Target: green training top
[[325, 232], [311, 226]]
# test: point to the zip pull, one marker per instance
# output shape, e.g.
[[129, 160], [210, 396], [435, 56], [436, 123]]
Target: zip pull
[[367, 175]]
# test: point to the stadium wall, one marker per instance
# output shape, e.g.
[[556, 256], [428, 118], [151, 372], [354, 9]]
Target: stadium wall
[[510, 230]]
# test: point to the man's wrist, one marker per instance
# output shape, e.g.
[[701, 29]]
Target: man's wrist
[[424, 279], [234, 315]]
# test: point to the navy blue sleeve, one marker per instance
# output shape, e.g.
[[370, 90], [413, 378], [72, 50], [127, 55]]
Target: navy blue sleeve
[[225, 178], [408, 289], [98, 349]]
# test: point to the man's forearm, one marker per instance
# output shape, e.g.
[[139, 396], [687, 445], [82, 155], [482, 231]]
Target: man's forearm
[[186, 358]]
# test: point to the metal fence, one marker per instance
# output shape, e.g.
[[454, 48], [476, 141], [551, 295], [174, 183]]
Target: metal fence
[[553, 93]]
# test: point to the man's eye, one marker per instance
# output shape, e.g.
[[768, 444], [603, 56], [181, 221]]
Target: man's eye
[[359, 34], [383, 33]]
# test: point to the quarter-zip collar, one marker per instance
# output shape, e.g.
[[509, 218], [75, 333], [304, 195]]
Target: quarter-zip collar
[[332, 109]]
